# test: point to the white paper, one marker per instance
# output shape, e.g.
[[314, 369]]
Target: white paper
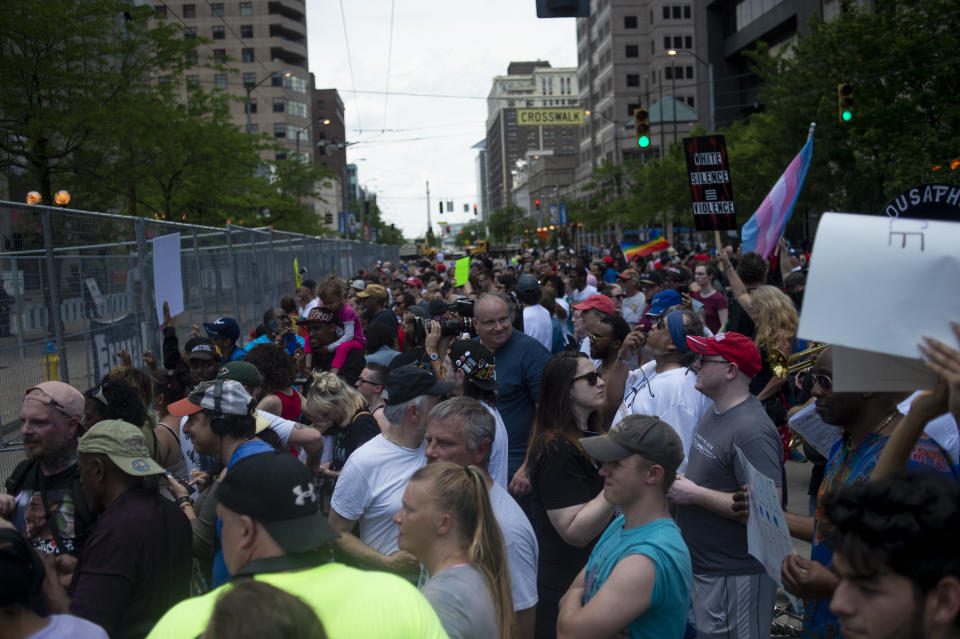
[[167, 283], [858, 371], [95, 293], [768, 538], [878, 283], [814, 430]]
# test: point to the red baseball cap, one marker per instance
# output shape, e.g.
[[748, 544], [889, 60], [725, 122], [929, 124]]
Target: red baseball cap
[[414, 281], [597, 302], [608, 260], [735, 348]]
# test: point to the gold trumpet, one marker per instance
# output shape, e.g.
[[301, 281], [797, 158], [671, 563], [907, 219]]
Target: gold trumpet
[[782, 365]]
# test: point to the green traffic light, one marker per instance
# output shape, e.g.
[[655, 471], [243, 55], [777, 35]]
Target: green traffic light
[[643, 141], [847, 116]]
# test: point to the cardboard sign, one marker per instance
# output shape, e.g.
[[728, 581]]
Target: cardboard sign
[[708, 169], [768, 538], [167, 279]]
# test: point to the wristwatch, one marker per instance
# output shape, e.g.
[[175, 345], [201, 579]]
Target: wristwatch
[[434, 357]]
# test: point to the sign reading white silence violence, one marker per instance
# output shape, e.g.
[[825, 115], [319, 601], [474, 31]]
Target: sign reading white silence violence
[[549, 117], [710, 186]]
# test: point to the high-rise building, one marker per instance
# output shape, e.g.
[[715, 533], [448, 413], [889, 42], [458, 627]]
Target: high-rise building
[[483, 193], [330, 149], [527, 85], [623, 63], [266, 43]]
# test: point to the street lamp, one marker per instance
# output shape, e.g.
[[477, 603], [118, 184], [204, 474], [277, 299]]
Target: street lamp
[[251, 87], [673, 52]]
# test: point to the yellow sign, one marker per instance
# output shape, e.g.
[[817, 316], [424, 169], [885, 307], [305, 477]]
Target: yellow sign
[[550, 117]]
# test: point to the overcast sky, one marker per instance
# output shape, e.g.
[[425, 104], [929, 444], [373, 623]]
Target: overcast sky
[[448, 47]]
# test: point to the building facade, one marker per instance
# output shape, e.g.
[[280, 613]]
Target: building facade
[[330, 149], [510, 134]]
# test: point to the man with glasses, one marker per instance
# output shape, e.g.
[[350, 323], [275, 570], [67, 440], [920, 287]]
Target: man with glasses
[[867, 421], [520, 362], [44, 500], [732, 594], [663, 387]]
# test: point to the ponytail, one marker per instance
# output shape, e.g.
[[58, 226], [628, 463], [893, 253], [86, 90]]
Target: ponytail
[[462, 492]]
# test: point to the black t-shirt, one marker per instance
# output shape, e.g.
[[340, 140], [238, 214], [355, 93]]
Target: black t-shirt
[[562, 476], [50, 508], [361, 429], [352, 366], [387, 317], [738, 320], [136, 565]]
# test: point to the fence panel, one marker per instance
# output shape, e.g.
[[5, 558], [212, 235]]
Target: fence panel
[[77, 286]]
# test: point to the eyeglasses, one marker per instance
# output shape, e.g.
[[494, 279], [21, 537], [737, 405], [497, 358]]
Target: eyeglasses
[[591, 378], [823, 381], [701, 360], [361, 380]]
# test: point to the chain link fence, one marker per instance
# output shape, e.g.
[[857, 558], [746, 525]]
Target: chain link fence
[[77, 286]]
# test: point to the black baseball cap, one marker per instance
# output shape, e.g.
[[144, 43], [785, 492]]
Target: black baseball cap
[[651, 278], [278, 491], [201, 348], [407, 382]]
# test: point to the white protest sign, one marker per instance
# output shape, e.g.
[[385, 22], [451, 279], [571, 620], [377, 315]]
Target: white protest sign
[[768, 538], [879, 283], [814, 430], [857, 371], [167, 282]]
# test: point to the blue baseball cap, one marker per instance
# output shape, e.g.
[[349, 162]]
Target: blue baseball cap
[[223, 328], [664, 300]]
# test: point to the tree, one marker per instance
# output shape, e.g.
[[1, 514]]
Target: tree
[[502, 224]]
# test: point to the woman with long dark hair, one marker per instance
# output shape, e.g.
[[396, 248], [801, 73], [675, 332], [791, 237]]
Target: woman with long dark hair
[[567, 504], [447, 522]]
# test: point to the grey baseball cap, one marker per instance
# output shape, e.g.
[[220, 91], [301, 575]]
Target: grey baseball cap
[[650, 437]]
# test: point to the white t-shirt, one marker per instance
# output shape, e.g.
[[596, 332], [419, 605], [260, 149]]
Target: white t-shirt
[[537, 324], [282, 427], [498, 453], [942, 429], [522, 549], [307, 308], [585, 349], [69, 626], [670, 395], [370, 489], [632, 307], [579, 296]]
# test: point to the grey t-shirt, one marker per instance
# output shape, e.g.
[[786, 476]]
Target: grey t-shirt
[[718, 545], [460, 598]]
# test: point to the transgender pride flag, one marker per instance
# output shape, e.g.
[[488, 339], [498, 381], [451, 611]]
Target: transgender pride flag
[[762, 231]]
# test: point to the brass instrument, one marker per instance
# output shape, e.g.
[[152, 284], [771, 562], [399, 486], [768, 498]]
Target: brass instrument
[[782, 365]]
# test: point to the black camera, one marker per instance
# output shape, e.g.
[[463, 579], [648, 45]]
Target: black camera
[[463, 308], [448, 328]]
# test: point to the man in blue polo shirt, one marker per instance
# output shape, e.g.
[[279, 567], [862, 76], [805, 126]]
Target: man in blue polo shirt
[[520, 361]]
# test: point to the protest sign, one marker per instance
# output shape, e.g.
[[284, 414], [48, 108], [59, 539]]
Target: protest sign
[[708, 169], [859, 371], [927, 202], [461, 272], [768, 538], [167, 282], [918, 265], [126, 332]]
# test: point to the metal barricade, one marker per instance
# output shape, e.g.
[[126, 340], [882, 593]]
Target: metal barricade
[[78, 285]]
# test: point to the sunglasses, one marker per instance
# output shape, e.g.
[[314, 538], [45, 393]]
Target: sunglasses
[[593, 337], [591, 378]]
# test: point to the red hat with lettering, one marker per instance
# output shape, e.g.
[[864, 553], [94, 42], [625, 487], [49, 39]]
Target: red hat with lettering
[[597, 302], [735, 348]]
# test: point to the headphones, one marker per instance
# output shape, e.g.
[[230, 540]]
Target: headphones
[[219, 423]]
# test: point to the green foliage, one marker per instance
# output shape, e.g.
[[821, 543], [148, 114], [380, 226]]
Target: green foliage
[[503, 224]]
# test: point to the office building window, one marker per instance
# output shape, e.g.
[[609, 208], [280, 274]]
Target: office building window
[[254, 128], [246, 55], [216, 9], [632, 51], [677, 42], [629, 22], [689, 71], [252, 105], [161, 10], [246, 8], [189, 32], [279, 104], [688, 42], [666, 42], [191, 57], [219, 56], [219, 32], [690, 100], [676, 11], [193, 81], [220, 80], [246, 30], [295, 84], [686, 11], [279, 130], [633, 79], [666, 12], [189, 11], [281, 155], [297, 108], [249, 80], [668, 73]]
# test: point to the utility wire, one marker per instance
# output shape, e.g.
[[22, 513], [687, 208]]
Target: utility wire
[[353, 79], [386, 93]]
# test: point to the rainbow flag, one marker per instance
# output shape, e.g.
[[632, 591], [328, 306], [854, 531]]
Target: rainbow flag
[[763, 230], [632, 249]]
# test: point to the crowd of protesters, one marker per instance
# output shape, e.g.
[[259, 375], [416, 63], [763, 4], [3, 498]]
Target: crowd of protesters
[[552, 448]]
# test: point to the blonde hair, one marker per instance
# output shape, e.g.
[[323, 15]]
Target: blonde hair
[[330, 393], [462, 492], [774, 315]]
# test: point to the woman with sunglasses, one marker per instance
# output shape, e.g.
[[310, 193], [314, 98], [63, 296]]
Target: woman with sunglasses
[[567, 505]]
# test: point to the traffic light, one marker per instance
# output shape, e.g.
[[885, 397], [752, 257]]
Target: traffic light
[[474, 209], [538, 206], [845, 101], [641, 126]]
